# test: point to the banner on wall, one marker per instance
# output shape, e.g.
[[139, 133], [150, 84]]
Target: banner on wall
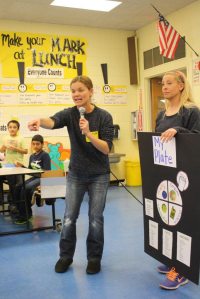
[[170, 183], [40, 94], [36, 94], [44, 56], [52, 59]]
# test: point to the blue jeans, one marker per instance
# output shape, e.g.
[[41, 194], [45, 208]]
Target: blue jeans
[[97, 187]]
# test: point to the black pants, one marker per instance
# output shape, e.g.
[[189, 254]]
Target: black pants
[[13, 181], [30, 186]]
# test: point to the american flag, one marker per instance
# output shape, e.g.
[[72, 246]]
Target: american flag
[[168, 38]]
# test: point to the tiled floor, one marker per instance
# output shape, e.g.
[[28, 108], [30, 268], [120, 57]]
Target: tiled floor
[[27, 260]]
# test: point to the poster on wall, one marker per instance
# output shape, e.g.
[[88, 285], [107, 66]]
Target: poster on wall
[[41, 67], [171, 205], [117, 95], [38, 95], [44, 56]]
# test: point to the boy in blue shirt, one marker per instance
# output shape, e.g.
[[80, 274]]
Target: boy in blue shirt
[[38, 160]]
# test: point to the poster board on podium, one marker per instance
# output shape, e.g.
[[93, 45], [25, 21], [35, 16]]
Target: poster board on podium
[[170, 184]]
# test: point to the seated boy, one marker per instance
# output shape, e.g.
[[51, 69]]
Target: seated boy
[[13, 146], [38, 160]]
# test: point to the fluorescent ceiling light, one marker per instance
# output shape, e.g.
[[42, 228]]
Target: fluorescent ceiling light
[[99, 5]]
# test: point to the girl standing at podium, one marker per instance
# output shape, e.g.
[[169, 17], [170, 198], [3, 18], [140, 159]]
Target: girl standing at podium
[[181, 115]]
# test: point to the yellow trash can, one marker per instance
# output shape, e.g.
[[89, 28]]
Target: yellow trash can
[[133, 173]]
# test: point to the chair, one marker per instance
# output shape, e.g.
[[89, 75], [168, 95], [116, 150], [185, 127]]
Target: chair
[[53, 186]]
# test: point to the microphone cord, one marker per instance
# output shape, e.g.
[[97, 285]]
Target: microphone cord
[[119, 182]]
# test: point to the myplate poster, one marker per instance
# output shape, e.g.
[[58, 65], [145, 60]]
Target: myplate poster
[[170, 183]]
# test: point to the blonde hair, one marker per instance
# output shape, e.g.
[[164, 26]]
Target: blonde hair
[[83, 79], [186, 99]]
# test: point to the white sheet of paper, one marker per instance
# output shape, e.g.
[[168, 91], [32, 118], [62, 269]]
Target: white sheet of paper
[[149, 207], [184, 243], [153, 234], [167, 243]]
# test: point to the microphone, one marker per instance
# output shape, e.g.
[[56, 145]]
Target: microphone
[[81, 111]]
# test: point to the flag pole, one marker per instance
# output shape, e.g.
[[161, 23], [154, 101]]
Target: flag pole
[[179, 33]]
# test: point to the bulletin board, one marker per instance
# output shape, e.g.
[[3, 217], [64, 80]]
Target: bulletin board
[[170, 185]]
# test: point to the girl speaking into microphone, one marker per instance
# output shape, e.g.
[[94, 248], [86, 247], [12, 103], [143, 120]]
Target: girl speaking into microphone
[[90, 130]]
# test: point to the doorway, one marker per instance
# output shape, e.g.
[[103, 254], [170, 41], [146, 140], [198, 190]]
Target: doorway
[[157, 101]]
